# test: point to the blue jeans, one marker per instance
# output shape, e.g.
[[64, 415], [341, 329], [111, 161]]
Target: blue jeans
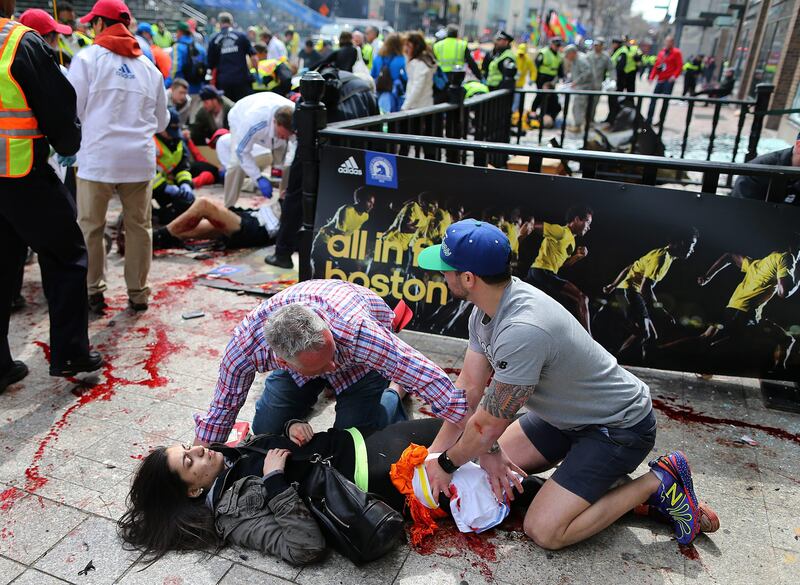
[[367, 403], [664, 87]]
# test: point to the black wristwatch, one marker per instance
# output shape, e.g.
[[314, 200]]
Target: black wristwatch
[[446, 463]]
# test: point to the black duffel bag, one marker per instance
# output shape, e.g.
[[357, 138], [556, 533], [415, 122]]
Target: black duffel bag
[[358, 524]]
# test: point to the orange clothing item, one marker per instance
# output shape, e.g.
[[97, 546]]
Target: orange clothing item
[[162, 59], [402, 474]]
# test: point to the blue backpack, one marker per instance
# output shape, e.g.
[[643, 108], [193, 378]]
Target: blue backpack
[[439, 79]]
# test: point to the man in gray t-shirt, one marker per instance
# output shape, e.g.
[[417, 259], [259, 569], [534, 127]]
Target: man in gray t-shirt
[[585, 411]]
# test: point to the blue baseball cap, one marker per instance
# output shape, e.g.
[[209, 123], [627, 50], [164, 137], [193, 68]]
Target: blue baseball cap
[[468, 246]]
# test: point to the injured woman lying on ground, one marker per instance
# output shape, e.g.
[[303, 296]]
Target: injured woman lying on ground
[[202, 498]]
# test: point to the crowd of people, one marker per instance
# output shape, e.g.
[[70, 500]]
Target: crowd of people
[[125, 109]]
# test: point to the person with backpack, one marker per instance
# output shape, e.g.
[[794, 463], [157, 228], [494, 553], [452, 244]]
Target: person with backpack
[[189, 61], [421, 67], [389, 73], [230, 55]]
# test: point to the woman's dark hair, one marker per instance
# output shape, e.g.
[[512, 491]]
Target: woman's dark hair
[[420, 49], [392, 46], [161, 517], [345, 38]]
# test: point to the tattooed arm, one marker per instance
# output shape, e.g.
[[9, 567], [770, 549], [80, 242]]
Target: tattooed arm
[[496, 411]]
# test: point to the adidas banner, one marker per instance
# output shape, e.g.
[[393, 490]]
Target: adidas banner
[[664, 278]]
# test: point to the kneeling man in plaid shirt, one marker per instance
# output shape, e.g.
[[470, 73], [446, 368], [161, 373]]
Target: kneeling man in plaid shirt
[[318, 334]]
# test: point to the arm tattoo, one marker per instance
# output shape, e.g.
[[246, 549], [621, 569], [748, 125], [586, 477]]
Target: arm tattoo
[[504, 400]]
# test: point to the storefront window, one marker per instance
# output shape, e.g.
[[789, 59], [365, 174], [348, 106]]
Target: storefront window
[[796, 106]]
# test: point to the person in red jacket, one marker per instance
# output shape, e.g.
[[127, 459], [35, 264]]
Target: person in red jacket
[[668, 67]]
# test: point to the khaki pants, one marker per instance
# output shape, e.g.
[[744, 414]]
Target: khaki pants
[[93, 198], [235, 176]]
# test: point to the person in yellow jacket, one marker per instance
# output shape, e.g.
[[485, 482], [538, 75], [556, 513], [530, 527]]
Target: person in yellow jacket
[[173, 190], [526, 68], [271, 74]]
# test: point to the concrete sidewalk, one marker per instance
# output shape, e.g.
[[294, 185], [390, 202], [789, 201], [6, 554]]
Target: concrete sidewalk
[[67, 452]]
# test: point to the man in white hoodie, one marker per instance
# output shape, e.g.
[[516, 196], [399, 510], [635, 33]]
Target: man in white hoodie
[[263, 120], [122, 105]]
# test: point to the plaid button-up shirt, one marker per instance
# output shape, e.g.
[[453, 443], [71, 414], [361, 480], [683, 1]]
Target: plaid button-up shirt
[[361, 326]]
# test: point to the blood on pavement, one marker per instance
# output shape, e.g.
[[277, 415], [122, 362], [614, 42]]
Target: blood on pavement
[[158, 350]]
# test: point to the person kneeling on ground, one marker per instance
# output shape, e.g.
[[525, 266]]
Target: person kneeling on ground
[[586, 412], [206, 219]]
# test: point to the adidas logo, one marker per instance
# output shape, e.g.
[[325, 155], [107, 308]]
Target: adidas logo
[[125, 72], [349, 167]]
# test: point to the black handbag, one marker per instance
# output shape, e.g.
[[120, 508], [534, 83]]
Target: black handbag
[[358, 524]]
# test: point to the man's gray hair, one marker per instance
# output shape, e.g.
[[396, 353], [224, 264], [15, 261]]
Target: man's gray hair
[[293, 329]]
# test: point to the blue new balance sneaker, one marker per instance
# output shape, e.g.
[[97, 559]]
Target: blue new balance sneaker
[[675, 497]]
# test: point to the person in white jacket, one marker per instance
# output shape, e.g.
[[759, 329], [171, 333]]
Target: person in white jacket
[[420, 68], [261, 119], [122, 104]]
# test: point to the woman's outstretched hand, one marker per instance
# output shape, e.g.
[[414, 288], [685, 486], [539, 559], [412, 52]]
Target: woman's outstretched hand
[[300, 433], [275, 460]]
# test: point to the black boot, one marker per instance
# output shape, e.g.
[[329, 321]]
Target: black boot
[[12, 375]]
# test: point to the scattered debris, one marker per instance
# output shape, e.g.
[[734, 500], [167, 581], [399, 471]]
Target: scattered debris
[[193, 315], [747, 440], [244, 557], [109, 465], [89, 567]]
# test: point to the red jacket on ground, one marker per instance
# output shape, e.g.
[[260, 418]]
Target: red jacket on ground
[[668, 65]]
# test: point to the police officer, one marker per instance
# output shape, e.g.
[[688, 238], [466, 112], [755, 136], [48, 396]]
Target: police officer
[[623, 66], [632, 64], [453, 53], [549, 66], [37, 110], [691, 71], [500, 66], [271, 74]]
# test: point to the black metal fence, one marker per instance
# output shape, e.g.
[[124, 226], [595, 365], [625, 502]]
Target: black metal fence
[[755, 109], [477, 132]]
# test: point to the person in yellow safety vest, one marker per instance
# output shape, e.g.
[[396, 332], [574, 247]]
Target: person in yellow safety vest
[[38, 110], [632, 65], [474, 88], [172, 185], [691, 71], [271, 74], [500, 66], [549, 68], [367, 52], [453, 53]]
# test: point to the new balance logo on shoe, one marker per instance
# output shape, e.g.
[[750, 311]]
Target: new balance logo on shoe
[[349, 167], [125, 72]]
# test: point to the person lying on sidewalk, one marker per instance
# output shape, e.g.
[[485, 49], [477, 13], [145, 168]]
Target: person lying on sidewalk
[[193, 497], [207, 219]]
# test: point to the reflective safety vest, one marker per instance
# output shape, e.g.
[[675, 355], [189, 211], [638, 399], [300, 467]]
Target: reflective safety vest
[[167, 160], [630, 64], [474, 88], [266, 70], [449, 53], [633, 53], [550, 62], [18, 125], [689, 66], [495, 76], [366, 53]]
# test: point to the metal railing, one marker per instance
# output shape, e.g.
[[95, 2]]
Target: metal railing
[[477, 132], [756, 109]]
